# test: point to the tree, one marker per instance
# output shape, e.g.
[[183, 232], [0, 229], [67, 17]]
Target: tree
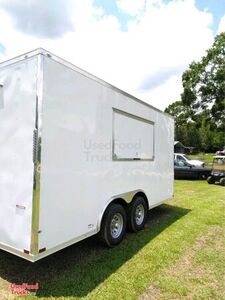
[[204, 84], [188, 135], [200, 114], [179, 112]]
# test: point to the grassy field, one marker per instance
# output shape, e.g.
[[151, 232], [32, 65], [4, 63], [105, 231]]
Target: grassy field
[[207, 157], [179, 255]]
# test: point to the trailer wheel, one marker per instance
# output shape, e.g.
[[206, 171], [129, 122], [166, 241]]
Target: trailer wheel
[[113, 225], [137, 214], [222, 181], [210, 180]]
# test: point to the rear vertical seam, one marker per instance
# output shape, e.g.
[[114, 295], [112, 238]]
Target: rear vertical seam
[[37, 160]]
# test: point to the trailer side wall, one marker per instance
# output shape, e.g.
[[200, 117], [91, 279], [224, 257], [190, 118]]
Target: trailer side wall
[[17, 122], [79, 174]]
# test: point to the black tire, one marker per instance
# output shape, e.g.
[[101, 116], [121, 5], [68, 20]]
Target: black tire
[[108, 226], [202, 176], [135, 222], [222, 181], [210, 180]]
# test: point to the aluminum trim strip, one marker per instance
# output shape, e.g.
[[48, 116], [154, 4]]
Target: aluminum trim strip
[[34, 248], [127, 114], [35, 257], [15, 251], [64, 245], [81, 71], [20, 58]]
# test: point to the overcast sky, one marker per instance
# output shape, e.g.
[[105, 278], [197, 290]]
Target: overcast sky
[[140, 46]]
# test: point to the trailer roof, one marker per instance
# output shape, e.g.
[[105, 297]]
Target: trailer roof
[[81, 71]]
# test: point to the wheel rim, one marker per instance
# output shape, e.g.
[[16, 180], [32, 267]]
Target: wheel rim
[[139, 214], [116, 225]]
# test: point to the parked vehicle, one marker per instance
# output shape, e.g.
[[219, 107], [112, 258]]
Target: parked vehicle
[[218, 170], [78, 157], [221, 152], [184, 170], [184, 157]]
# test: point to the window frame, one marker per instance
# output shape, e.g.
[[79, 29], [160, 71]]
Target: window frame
[[129, 115]]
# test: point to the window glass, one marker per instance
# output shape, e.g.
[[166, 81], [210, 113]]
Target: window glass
[[133, 137]]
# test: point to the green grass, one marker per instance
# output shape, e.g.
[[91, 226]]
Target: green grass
[[179, 254], [207, 157]]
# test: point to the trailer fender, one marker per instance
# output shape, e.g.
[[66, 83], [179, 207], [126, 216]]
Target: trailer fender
[[122, 199]]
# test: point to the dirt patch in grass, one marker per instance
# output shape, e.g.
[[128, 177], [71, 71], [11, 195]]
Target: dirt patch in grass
[[153, 293], [189, 192], [198, 274], [5, 292], [185, 263]]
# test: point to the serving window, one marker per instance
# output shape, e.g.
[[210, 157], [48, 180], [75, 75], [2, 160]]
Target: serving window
[[133, 137]]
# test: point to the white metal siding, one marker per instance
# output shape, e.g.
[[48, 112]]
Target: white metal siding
[[78, 175], [17, 117]]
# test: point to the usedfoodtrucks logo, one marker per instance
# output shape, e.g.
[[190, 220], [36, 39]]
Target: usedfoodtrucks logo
[[23, 289], [97, 150]]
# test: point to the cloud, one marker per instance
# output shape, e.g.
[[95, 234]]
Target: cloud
[[2, 48], [131, 7], [221, 27], [160, 77], [147, 60], [159, 95], [40, 18]]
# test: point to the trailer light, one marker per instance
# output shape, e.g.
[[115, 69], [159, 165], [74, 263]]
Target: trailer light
[[42, 250], [20, 206], [26, 251]]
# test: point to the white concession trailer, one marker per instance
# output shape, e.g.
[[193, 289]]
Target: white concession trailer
[[77, 157]]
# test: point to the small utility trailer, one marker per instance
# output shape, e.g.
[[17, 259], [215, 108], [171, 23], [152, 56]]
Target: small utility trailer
[[77, 157]]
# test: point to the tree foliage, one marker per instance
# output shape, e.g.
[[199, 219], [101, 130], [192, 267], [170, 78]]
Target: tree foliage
[[200, 114]]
